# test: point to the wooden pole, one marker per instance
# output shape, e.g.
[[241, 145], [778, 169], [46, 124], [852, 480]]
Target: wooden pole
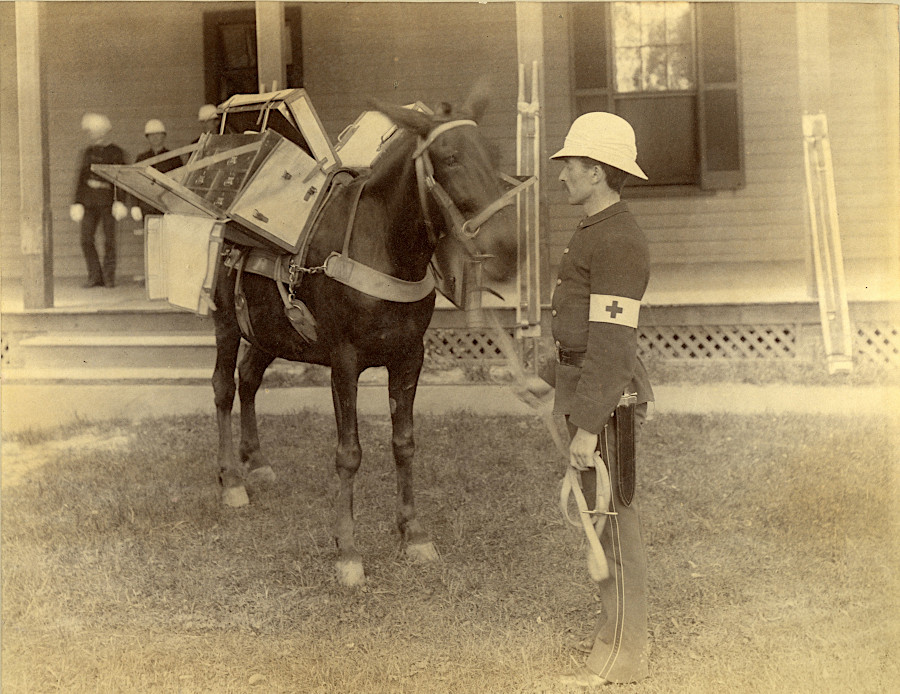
[[35, 219], [270, 46]]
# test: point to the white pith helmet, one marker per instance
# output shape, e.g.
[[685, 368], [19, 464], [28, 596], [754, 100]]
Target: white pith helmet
[[207, 112], [603, 137], [154, 125], [96, 124]]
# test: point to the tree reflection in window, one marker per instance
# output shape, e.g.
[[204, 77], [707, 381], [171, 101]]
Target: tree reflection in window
[[653, 46]]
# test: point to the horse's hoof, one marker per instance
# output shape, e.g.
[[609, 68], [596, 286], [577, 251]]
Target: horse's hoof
[[423, 552], [235, 497], [263, 475], [350, 573]]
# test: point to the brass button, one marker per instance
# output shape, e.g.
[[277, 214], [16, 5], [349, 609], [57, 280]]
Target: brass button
[[557, 343], [553, 312], [558, 281], [566, 250]]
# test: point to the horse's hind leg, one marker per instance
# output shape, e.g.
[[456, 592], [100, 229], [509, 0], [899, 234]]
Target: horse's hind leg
[[228, 340], [251, 368], [403, 378]]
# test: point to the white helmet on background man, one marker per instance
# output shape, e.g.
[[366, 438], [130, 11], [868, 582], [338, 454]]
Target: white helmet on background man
[[207, 112], [154, 126], [96, 124]]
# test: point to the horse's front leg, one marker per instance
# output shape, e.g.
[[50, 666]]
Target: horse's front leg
[[228, 340], [403, 378], [344, 384], [251, 369]]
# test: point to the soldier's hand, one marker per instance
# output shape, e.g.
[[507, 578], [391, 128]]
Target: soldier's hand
[[581, 450], [76, 212], [119, 211], [136, 213]]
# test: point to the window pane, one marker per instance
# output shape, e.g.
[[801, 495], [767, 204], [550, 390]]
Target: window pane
[[680, 67], [678, 22], [627, 23], [660, 36], [654, 74], [653, 23], [628, 70]]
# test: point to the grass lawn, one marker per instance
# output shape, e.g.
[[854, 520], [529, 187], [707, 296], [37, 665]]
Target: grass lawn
[[772, 546]]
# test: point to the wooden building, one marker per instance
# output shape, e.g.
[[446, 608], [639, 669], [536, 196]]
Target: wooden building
[[716, 91]]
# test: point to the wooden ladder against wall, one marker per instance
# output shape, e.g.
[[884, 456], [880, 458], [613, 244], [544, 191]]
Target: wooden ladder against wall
[[826, 243], [528, 163]]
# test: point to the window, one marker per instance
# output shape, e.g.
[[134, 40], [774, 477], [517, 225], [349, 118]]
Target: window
[[229, 44], [670, 69]]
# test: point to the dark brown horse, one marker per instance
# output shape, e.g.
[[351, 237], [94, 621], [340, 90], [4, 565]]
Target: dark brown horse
[[392, 234]]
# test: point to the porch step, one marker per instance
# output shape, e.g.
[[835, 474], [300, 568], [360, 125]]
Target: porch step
[[64, 352]]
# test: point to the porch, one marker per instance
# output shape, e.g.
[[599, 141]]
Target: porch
[[96, 335]]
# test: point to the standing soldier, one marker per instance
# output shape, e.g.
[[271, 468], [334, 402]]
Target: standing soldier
[[602, 277], [155, 132], [95, 202]]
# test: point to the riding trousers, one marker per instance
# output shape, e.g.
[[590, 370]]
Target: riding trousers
[[619, 652]]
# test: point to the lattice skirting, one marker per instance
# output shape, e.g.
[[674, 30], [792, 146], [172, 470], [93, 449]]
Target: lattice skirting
[[718, 341], [874, 343], [877, 344]]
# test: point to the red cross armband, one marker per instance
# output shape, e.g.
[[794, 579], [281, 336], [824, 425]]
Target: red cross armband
[[619, 310]]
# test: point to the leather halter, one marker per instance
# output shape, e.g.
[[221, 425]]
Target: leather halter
[[465, 230]]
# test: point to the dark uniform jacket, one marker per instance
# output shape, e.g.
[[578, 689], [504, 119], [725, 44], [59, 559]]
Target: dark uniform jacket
[[91, 190], [607, 255], [162, 166]]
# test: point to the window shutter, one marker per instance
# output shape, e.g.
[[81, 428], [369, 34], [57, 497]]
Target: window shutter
[[719, 97]]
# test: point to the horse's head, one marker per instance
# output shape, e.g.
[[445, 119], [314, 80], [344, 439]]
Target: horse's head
[[452, 150]]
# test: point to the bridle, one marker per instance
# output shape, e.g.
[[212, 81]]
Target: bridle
[[465, 230]]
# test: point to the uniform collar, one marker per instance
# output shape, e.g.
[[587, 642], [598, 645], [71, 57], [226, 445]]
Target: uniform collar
[[612, 210]]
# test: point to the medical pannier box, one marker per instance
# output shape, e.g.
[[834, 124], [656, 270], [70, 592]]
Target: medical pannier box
[[363, 142], [288, 112], [181, 259], [263, 181]]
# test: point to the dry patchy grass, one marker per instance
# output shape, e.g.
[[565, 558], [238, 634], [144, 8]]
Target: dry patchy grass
[[772, 547]]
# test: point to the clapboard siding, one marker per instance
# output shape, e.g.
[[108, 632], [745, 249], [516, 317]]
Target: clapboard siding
[[354, 52], [864, 89]]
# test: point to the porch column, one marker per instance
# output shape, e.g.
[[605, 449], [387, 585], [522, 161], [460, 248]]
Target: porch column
[[35, 219], [270, 45]]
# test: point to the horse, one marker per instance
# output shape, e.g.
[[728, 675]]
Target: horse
[[389, 220]]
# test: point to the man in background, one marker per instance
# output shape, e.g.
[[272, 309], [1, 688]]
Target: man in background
[[95, 201]]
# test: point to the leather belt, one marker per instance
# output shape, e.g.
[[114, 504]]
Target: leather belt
[[569, 357]]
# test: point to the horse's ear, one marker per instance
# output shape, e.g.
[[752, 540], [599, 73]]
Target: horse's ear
[[406, 118], [477, 102]]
